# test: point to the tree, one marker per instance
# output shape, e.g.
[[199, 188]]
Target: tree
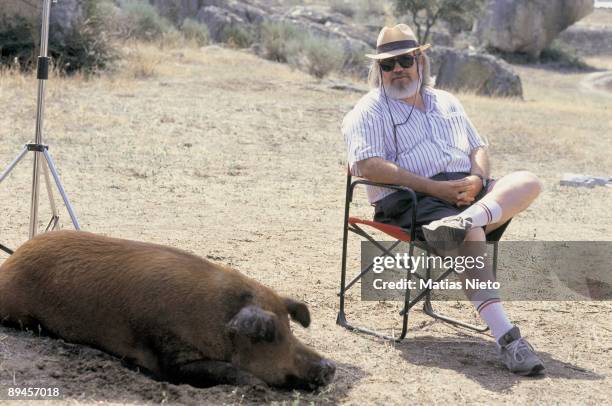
[[459, 14]]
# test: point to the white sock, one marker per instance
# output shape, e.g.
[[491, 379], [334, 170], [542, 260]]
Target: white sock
[[483, 212], [493, 313]]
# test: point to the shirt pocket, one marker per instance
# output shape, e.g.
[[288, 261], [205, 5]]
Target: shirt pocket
[[452, 130]]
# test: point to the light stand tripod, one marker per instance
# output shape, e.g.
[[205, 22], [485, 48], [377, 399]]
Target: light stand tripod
[[41, 150]]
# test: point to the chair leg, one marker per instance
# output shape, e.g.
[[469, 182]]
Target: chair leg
[[341, 318], [428, 309]]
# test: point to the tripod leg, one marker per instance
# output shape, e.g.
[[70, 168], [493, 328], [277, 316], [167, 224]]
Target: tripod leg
[[13, 164], [58, 183], [54, 216]]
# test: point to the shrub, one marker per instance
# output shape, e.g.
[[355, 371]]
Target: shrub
[[171, 38], [556, 55], [142, 62], [86, 46], [563, 56], [141, 20], [316, 55], [195, 32], [237, 37], [17, 42], [275, 37]]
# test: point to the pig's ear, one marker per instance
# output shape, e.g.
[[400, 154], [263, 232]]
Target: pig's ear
[[298, 311], [255, 323]]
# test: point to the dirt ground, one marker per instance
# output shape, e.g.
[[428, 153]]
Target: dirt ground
[[241, 161]]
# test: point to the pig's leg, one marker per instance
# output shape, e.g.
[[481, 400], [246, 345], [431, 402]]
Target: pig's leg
[[205, 373], [182, 363]]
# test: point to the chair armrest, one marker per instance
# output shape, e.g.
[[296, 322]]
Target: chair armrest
[[411, 193], [387, 185]]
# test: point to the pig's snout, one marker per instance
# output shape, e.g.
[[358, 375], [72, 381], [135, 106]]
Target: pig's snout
[[323, 373], [318, 374]]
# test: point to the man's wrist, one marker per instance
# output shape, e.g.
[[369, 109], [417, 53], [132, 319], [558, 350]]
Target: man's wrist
[[430, 187], [482, 178]]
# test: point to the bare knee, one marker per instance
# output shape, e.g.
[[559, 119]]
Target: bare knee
[[530, 183]]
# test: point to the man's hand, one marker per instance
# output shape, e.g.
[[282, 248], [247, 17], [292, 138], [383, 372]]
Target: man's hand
[[467, 197], [460, 192]]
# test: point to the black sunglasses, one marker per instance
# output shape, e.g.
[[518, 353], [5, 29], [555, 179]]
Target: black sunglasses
[[405, 61]]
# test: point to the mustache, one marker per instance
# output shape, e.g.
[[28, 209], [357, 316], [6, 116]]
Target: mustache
[[400, 76]]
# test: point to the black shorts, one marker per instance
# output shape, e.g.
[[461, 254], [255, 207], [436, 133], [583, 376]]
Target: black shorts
[[396, 208]]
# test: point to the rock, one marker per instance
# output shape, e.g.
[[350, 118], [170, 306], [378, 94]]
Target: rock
[[66, 14], [469, 70], [577, 180], [217, 19], [63, 17], [528, 26], [179, 11], [316, 14]]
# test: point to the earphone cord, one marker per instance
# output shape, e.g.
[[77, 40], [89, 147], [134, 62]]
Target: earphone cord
[[389, 107]]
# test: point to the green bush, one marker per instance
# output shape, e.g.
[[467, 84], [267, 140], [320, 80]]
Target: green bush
[[563, 56], [275, 37], [316, 55], [556, 55], [141, 20], [237, 37], [86, 46], [17, 42], [195, 31]]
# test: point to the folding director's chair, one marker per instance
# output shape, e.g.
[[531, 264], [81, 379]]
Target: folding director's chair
[[355, 225]]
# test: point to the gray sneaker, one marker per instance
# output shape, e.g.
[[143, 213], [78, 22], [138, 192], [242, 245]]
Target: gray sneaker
[[447, 233], [518, 355]]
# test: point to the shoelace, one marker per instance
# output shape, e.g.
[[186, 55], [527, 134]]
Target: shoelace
[[518, 347], [460, 219]]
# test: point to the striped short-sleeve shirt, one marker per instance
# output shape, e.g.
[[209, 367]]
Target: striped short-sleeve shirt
[[437, 140]]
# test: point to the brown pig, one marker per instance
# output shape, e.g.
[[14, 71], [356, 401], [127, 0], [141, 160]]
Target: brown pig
[[179, 316]]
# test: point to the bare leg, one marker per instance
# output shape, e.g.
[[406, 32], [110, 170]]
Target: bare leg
[[514, 193], [204, 373]]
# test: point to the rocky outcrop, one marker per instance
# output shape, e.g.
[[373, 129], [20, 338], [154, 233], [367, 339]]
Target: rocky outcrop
[[472, 71], [528, 26], [66, 14], [455, 70]]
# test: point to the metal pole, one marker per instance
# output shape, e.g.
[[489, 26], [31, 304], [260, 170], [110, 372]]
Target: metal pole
[[44, 40]]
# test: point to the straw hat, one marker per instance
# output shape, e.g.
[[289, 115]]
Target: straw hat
[[398, 40]]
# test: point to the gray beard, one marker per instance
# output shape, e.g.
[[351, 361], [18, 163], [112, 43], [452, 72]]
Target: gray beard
[[399, 92]]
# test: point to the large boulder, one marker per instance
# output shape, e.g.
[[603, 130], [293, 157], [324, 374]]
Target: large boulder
[[217, 19], [528, 26], [177, 11], [472, 71], [65, 15]]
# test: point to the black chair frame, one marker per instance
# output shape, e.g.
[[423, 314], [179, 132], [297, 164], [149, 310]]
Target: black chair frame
[[424, 295]]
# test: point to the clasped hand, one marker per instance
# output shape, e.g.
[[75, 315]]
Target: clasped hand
[[460, 192]]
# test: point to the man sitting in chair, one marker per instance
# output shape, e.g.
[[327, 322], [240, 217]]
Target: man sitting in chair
[[405, 132]]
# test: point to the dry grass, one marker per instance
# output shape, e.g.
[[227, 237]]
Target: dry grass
[[600, 17], [240, 159]]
